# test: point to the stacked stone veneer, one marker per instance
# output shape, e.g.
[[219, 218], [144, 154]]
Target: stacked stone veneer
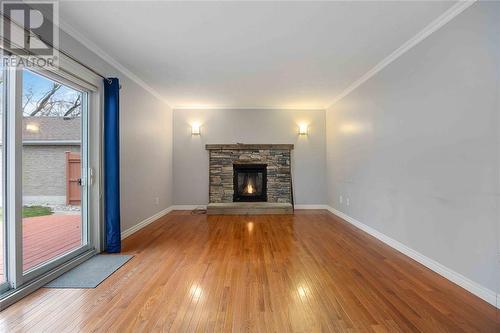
[[277, 158]]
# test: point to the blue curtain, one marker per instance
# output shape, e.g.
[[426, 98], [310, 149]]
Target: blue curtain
[[112, 165]]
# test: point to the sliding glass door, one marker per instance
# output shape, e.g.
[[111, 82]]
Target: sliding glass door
[[44, 178], [53, 158]]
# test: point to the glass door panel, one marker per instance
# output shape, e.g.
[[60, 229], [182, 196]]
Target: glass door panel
[[52, 163]]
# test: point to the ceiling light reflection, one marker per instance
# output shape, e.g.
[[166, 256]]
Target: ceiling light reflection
[[303, 291], [196, 292]]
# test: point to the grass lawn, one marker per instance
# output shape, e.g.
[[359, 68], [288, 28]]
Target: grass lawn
[[32, 211]]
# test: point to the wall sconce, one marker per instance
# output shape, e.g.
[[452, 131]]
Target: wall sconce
[[303, 129], [195, 129]]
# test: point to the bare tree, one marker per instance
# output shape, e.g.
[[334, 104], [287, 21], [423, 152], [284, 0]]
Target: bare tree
[[28, 97], [76, 104], [43, 102], [66, 105]]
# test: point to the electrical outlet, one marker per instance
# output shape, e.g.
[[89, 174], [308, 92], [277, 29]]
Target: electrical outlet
[[347, 202], [341, 199], [157, 201]]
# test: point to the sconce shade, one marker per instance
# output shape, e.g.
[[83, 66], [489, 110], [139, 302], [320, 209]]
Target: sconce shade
[[303, 129], [195, 129]]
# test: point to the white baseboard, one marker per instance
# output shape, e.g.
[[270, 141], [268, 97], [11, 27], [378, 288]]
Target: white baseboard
[[457, 278], [188, 207], [145, 222], [191, 207], [307, 206]]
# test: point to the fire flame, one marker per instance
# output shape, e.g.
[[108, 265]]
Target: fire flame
[[249, 188]]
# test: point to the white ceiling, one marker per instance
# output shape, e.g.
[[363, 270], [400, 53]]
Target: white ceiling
[[249, 54]]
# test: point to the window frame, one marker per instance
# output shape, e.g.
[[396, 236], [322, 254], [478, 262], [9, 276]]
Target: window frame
[[3, 120]]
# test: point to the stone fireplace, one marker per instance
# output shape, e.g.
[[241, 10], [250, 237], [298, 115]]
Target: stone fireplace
[[250, 178]]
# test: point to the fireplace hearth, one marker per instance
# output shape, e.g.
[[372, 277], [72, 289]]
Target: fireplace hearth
[[250, 182]]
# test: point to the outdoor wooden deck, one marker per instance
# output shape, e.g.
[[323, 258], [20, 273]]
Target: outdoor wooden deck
[[47, 237]]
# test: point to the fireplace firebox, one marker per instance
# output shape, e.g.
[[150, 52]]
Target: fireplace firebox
[[250, 182]]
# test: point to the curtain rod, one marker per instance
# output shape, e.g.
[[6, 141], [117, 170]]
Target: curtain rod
[[30, 34]]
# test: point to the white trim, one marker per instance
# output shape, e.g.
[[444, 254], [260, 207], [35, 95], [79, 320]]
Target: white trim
[[191, 207], [432, 27], [310, 206], [145, 222], [14, 178], [457, 278], [72, 74], [188, 207], [109, 59], [157, 216]]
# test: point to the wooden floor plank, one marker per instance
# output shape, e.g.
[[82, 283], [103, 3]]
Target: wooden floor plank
[[307, 272]]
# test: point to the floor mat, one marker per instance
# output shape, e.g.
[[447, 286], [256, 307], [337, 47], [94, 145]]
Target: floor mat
[[90, 273]]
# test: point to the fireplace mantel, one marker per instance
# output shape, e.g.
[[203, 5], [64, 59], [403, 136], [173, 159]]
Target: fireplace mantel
[[246, 146]]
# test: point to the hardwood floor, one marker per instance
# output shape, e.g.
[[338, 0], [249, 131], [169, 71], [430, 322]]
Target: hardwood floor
[[306, 272]]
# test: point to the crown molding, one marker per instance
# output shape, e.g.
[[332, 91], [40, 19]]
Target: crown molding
[[432, 27], [70, 30]]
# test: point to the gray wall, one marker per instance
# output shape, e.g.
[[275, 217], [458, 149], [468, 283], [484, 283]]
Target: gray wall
[[248, 126], [145, 142], [416, 148]]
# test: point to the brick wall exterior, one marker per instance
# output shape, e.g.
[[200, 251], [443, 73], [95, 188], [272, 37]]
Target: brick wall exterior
[[278, 172], [44, 170]]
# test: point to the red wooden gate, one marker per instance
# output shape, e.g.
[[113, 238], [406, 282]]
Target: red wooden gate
[[73, 176]]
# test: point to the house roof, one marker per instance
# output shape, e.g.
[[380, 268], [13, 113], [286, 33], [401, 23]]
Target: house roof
[[56, 129]]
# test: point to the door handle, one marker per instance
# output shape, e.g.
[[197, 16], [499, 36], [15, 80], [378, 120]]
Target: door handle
[[91, 176]]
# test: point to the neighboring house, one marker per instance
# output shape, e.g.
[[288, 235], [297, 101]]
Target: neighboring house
[[45, 143]]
